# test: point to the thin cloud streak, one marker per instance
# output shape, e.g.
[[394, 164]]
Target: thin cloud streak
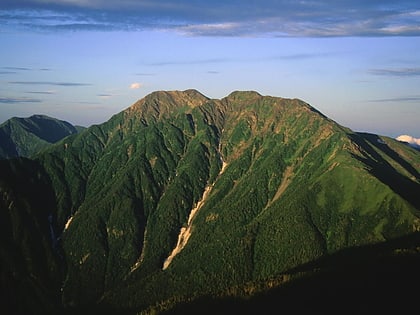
[[41, 92], [291, 57], [187, 62], [17, 100], [399, 72], [73, 84], [145, 74], [105, 96], [397, 99], [16, 68]]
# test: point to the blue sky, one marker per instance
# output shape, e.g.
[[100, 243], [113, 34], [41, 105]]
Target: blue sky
[[358, 62]]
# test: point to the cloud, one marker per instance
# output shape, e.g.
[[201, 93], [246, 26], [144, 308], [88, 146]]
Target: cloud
[[187, 62], [211, 61], [105, 96], [41, 92], [16, 68], [399, 72], [219, 17], [414, 142], [49, 83], [145, 74], [135, 85], [398, 99], [12, 70], [12, 100]]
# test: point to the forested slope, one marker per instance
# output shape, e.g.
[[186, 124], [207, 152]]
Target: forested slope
[[24, 137], [182, 196]]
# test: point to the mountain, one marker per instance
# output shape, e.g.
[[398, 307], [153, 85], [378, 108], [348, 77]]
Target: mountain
[[182, 202], [27, 136]]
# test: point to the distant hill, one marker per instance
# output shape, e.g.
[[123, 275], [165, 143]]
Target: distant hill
[[187, 204], [27, 136]]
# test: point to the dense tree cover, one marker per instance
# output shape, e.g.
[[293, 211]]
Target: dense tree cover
[[279, 185], [27, 136]]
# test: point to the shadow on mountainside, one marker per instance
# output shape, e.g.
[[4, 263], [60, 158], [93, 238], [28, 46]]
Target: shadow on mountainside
[[30, 261], [384, 171], [374, 279]]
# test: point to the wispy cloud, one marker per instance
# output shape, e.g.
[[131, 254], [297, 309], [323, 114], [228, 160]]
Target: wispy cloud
[[50, 83], [397, 99], [16, 100], [16, 68], [105, 95], [399, 72], [211, 61], [40, 92], [303, 56], [8, 72], [220, 18], [147, 74], [187, 62]]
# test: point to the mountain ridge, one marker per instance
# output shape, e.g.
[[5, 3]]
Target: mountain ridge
[[27, 136], [261, 184]]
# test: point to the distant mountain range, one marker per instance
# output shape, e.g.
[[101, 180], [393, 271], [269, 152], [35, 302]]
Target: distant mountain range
[[27, 136], [183, 204]]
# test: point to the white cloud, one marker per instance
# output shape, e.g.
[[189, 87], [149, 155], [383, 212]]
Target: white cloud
[[135, 85], [414, 142]]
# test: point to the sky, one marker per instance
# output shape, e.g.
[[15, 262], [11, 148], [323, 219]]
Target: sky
[[82, 61]]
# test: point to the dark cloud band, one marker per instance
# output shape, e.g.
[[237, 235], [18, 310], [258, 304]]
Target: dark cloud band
[[220, 18]]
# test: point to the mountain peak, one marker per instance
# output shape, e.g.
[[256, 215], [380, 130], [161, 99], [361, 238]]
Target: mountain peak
[[27, 136], [173, 95], [160, 104], [240, 95]]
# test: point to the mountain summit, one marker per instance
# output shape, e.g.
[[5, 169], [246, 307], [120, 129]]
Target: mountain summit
[[181, 197]]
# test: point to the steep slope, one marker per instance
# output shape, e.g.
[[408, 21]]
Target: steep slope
[[182, 196], [27, 136], [31, 266]]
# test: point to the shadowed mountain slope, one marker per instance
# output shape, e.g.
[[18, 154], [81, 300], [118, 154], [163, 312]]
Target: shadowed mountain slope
[[181, 196], [27, 136]]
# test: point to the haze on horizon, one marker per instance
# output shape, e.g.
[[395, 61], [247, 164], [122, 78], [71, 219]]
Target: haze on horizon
[[85, 60]]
